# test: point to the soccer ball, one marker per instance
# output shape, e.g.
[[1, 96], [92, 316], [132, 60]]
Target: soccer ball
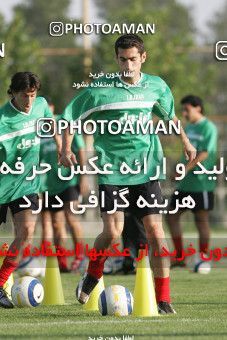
[[27, 291], [115, 300], [202, 267], [32, 266], [197, 265]]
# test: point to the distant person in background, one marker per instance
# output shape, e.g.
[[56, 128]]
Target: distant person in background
[[54, 220], [202, 133]]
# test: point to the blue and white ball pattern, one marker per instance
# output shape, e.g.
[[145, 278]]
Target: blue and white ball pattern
[[27, 291], [115, 300], [202, 267]]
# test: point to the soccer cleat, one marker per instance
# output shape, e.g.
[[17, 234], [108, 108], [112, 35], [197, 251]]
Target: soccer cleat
[[64, 270], [85, 287], [129, 266], [175, 264], [165, 308], [5, 302]]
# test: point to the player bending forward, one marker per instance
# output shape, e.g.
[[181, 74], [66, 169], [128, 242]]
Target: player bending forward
[[132, 94], [18, 139]]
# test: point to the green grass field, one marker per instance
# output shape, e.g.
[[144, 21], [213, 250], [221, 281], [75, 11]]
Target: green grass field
[[200, 302]]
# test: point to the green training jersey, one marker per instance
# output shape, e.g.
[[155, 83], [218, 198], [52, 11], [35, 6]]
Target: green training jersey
[[203, 135], [18, 138], [48, 154], [120, 101]]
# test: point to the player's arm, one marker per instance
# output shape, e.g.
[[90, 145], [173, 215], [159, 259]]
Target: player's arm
[[200, 157], [83, 178], [53, 127], [76, 108], [189, 149], [57, 139], [164, 109], [206, 148], [66, 156]]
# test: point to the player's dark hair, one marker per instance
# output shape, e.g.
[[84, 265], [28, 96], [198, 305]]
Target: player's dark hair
[[22, 81], [128, 41], [194, 101]]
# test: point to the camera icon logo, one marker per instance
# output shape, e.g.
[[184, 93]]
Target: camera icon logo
[[56, 28], [221, 50], [45, 127]]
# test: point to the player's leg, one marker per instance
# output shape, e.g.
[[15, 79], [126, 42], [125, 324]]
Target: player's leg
[[60, 236], [152, 220], [46, 220], [204, 203], [70, 197], [129, 239], [24, 222], [112, 229], [133, 237], [47, 230], [203, 226], [175, 229], [76, 231], [160, 265], [53, 229]]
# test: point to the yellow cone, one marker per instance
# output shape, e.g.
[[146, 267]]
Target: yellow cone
[[92, 304], [144, 293], [53, 292], [9, 283], [8, 286]]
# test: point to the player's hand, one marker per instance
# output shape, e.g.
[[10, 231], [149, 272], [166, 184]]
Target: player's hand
[[173, 176], [189, 151], [67, 159], [84, 188]]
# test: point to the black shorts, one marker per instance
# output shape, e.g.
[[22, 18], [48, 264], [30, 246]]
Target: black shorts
[[204, 200], [111, 193], [72, 193], [15, 206]]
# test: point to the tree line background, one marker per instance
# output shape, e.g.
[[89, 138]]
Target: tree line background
[[173, 53], [171, 50]]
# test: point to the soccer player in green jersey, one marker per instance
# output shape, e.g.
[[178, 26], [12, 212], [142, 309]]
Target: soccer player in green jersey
[[54, 219], [131, 95], [202, 133], [19, 142]]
